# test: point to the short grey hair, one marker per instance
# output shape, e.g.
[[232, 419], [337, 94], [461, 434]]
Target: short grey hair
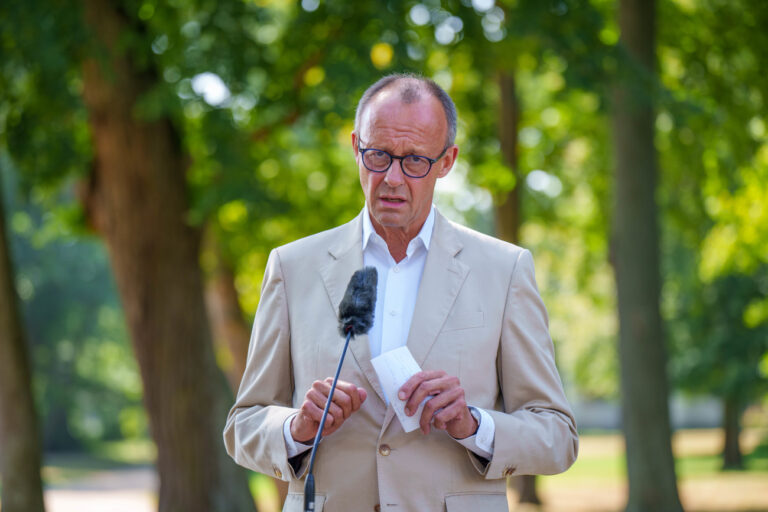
[[410, 93]]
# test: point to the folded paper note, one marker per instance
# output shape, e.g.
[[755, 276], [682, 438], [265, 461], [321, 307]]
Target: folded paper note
[[394, 368]]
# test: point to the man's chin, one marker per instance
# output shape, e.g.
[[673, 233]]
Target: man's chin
[[389, 220], [393, 224]]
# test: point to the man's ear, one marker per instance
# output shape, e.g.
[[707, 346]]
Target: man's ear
[[354, 143], [448, 160]]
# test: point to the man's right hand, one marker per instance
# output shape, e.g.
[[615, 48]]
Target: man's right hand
[[347, 398]]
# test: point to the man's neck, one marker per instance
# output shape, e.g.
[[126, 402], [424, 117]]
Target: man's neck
[[397, 239]]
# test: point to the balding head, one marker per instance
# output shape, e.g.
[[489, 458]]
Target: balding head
[[411, 89]]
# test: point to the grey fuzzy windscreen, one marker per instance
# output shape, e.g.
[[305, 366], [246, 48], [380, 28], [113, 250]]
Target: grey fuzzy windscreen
[[357, 306]]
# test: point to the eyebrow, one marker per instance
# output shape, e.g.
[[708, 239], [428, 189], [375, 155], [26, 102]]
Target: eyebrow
[[382, 148]]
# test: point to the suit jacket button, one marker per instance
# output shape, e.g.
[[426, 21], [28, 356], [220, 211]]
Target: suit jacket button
[[384, 449], [278, 473], [377, 508]]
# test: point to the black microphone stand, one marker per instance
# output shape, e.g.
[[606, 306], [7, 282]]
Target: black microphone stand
[[309, 483]]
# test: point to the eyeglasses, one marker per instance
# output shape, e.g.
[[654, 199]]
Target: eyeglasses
[[414, 166]]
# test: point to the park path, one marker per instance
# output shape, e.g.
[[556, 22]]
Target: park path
[[108, 490]]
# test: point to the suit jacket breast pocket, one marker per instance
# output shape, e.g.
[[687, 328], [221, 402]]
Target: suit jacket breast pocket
[[464, 320], [459, 332]]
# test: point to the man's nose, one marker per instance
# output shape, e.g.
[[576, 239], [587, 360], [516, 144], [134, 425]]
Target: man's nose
[[394, 175]]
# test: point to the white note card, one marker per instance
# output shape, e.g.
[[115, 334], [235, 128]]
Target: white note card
[[394, 368]]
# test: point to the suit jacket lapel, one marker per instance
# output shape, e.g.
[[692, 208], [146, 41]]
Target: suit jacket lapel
[[440, 284], [347, 257]]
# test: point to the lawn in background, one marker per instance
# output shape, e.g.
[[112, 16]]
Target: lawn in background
[[597, 481]]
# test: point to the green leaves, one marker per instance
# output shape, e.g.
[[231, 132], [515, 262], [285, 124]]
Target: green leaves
[[262, 94]]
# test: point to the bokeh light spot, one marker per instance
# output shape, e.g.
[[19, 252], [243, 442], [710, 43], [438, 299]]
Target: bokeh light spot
[[381, 55], [314, 76]]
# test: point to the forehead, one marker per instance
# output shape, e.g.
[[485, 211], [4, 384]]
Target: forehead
[[419, 124]]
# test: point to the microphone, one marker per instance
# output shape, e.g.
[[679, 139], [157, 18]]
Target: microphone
[[356, 308], [355, 317]]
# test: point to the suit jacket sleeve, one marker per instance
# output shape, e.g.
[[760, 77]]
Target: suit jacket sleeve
[[253, 434], [536, 431]]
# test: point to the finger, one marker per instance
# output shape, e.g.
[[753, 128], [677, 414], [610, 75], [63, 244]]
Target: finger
[[363, 395], [424, 422], [320, 400], [425, 390], [310, 411], [417, 388], [454, 410], [429, 388], [343, 400], [303, 427], [320, 392], [437, 402], [340, 395], [444, 399], [330, 421], [351, 391], [317, 398], [463, 425], [431, 406], [323, 386], [415, 380], [355, 396], [337, 412], [330, 426]]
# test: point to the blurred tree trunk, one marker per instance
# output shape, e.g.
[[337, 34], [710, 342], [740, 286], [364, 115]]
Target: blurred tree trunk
[[136, 198], [635, 255], [731, 422], [526, 489], [230, 332], [507, 208], [20, 447], [508, 218]]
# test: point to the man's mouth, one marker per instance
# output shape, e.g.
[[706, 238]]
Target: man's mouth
[[391, 199]]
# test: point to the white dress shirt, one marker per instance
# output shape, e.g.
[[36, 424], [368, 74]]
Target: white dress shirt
[[396, 291]]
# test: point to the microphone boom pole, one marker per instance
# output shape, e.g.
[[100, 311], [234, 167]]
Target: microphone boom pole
[[355, 317], [309, 483]]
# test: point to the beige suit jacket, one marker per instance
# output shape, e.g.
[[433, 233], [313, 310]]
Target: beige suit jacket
[[478, 316]]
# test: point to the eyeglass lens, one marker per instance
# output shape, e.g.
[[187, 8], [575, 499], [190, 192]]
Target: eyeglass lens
[[414, 165]]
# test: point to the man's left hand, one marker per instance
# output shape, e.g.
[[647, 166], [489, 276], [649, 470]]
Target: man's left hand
[[446, 409]]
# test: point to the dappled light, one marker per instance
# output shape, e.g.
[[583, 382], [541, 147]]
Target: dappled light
[[153, 154]]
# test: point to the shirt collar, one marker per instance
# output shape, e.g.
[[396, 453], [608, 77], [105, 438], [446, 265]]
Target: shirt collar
[[425, 233]]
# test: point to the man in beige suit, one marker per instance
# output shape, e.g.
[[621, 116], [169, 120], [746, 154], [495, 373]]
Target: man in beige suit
[[467, 307]]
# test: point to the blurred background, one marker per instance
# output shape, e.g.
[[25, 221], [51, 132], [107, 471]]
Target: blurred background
[[153, 152]]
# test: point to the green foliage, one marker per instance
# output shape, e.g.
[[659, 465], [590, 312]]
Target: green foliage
[[42, 123], [712, 141], [86, 380], [738, 240], [719, 347], [269, 161]]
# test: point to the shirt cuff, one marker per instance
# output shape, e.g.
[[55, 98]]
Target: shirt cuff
[[481, 442], [293, 447]]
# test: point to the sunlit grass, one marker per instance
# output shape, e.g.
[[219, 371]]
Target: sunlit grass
[[62, 468], [597, 481], [132, 451]]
